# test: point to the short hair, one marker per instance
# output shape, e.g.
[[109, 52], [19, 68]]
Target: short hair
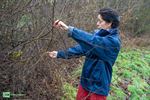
[[110, 16]]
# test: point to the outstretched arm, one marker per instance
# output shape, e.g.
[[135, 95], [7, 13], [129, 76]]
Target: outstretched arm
[[73, 52], [99, 45]]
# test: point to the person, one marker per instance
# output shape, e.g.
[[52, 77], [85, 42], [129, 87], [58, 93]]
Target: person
[[100, 50]]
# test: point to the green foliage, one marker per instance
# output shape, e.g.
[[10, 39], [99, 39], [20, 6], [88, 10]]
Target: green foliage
[[77, 72], [117, 94], [24, 20], [70, 92], [132, 67], [15, 55], [131, 74]]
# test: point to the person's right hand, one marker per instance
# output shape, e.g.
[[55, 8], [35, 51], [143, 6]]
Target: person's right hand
[[60, 24], [53, 54]]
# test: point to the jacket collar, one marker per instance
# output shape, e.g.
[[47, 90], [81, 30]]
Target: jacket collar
[[103, 32]]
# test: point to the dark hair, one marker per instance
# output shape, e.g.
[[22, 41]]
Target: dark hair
[[110, 16]]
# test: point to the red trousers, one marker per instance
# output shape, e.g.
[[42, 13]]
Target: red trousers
[[83, 94]]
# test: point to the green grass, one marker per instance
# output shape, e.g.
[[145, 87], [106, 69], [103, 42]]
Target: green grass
[[131, 74], [69, 92]]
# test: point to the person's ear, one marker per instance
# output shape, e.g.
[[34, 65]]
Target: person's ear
[[109, 25]]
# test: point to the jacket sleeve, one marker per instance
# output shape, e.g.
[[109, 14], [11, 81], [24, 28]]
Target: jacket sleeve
[[73, 52], [88, 41]]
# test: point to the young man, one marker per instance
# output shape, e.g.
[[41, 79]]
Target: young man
[[100, 49]]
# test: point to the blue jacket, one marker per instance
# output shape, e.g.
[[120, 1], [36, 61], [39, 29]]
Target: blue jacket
[[101, 50]]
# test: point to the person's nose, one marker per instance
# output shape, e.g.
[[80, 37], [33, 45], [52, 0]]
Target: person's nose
[[97, 23]]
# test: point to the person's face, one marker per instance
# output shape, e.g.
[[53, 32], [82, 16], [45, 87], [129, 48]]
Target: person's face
[[103, 24]]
